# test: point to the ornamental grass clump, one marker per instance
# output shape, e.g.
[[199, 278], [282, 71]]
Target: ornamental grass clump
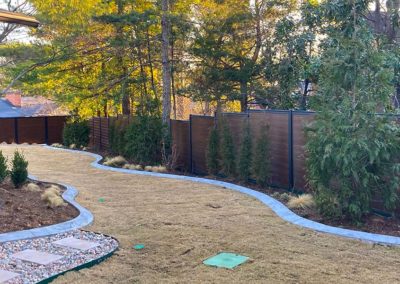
[[19, 171], [304, 201], [3, 167]]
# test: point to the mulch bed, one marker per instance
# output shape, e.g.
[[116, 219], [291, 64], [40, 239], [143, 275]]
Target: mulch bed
[[21, 209], [372, 223]]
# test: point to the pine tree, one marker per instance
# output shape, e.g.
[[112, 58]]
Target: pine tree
[[245, 158], [261, 158], [213, 152]]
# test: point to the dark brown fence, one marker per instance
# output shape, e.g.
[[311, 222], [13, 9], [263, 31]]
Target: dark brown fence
[[190, 139], [39, 130]]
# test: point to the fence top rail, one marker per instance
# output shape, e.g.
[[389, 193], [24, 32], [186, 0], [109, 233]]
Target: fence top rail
[[30, 117]]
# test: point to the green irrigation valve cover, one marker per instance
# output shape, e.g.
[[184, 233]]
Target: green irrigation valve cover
[[101, 200], [226, 260], [139, 247]]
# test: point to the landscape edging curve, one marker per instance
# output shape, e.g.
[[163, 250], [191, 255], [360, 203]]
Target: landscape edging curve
[[85, 218], [281, 210]]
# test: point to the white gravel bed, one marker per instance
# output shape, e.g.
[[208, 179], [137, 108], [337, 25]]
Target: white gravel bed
[[33, 273]]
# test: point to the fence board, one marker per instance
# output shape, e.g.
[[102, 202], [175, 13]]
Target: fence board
[[278, 139], [31, 130], [7, 130], [55, 126], [181, 142], [200, 131]]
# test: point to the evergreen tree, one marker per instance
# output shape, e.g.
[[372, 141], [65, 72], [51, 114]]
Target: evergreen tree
[[261, 164], [213, 152], [245, 159], [228, 151]]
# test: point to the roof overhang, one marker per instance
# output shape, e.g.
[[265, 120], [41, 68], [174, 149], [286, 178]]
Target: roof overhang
[[17, 18]]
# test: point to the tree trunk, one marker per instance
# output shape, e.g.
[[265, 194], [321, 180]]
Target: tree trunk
[[244, 97], [126, 103], [166, 103]]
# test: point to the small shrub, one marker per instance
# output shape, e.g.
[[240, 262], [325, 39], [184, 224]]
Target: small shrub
[[19, 172], [213, 152], [276, 195], [261, 159], [76, 133], [228, 151], [148, 168], [118, 161], [285, 197], [245, 158], [301, 202], [3, 167], [159, 169], [33, 187]]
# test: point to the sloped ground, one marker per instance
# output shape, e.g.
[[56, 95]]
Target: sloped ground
[[182, 223]]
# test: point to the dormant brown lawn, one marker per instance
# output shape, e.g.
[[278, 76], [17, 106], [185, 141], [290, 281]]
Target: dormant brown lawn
[[183, 223]]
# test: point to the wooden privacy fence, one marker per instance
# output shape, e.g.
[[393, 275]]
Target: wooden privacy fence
[[285, 136], [39, 130]]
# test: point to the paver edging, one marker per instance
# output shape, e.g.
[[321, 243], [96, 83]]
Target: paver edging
[[281, 210], [85, 218]]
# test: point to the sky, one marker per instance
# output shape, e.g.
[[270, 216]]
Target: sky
[[21, 34]]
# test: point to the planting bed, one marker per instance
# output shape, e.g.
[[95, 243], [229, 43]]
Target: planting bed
[[22, 209]]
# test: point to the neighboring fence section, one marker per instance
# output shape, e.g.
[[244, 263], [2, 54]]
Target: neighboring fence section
[[39, 130], [190, 138]]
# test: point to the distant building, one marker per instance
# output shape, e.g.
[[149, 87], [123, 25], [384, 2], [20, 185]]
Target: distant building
[[16, 105]]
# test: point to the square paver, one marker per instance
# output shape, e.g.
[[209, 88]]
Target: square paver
[[74, 243], [7, 275], [226, 260], [37, 257]]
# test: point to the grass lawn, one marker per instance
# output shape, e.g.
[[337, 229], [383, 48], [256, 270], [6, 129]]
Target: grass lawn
[[183, 223]]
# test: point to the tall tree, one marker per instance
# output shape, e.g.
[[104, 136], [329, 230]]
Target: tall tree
[[166, 66]]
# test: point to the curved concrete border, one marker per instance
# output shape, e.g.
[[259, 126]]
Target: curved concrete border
[[276, 206], [85, 218]]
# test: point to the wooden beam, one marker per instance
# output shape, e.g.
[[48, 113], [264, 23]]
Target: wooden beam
[[17, 18]]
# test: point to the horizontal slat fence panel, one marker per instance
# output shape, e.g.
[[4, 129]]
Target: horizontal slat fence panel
[[300, 120], [7, 130], [277, 125], [180, 131], [200, 131]]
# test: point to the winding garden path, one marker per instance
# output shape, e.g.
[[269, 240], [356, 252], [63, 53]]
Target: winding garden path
[[182, 223]]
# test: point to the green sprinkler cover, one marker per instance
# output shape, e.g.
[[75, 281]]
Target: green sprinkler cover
[[226, 260]]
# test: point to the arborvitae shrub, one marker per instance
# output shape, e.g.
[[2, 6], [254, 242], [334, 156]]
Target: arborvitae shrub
[[261, 158], [3, 167], [245, 158], [227, 151], [76, 133], [117, 140], [19, 171], [213, 152], [144, 140]]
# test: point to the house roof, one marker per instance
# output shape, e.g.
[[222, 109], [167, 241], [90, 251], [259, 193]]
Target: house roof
[[17, 18], [31, 107]]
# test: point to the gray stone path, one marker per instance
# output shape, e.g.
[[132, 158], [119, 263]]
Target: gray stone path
[[34, 260]]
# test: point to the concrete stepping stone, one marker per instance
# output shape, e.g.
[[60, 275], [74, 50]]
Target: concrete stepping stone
[[37, 257], [74, 243], [7, 275]]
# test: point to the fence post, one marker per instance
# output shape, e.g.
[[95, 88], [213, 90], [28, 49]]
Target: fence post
[[190, 145], [290, 138], [101, 138], [16, 130], [46, 130]]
